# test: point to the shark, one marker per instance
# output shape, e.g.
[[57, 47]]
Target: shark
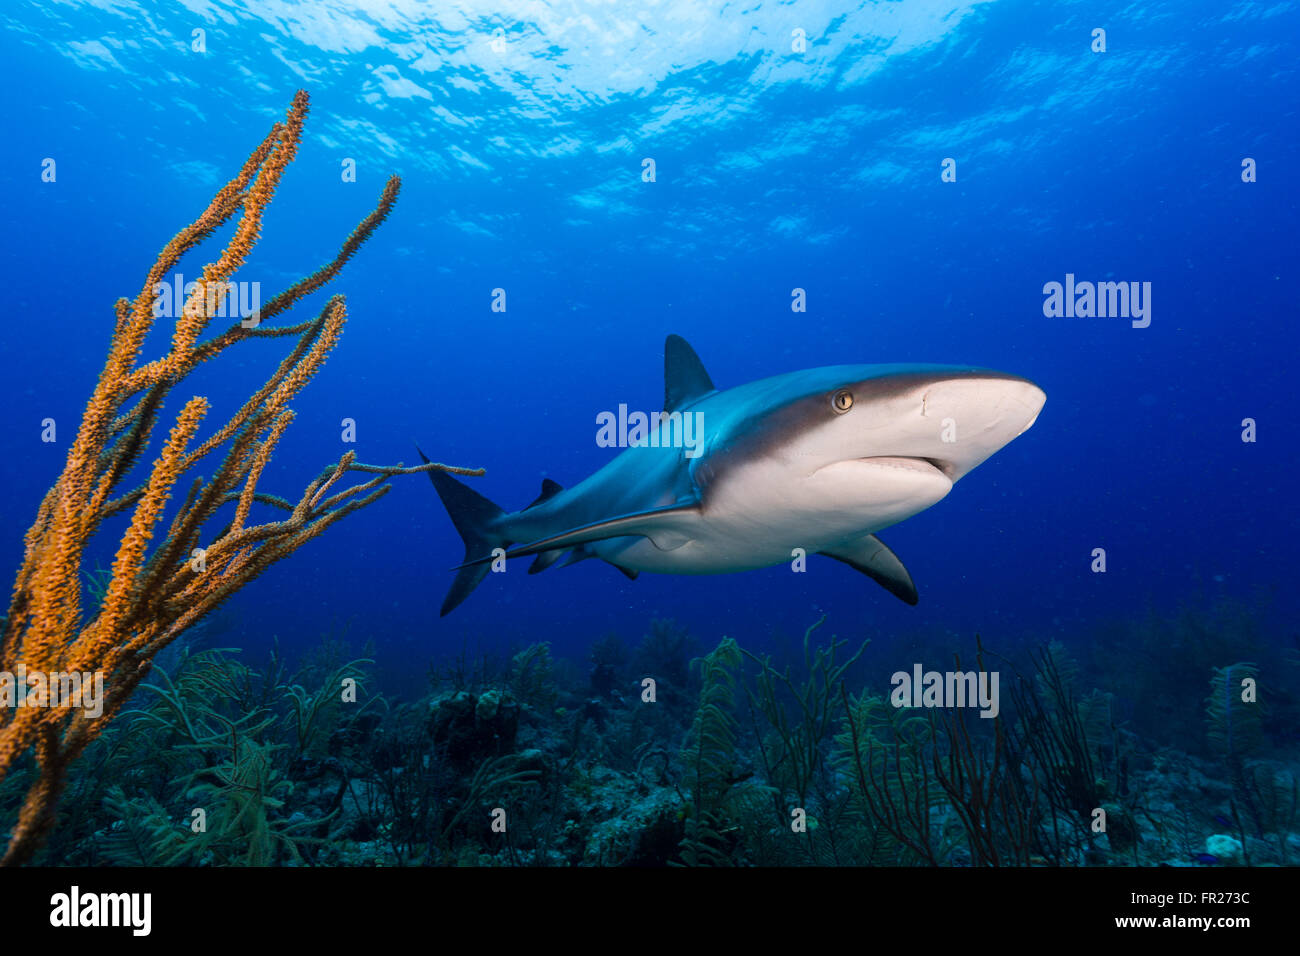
[[808, 462]]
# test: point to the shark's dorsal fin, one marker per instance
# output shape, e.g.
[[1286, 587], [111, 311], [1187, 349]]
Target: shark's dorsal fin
[[685, 379], [549, 490], [873, 558]]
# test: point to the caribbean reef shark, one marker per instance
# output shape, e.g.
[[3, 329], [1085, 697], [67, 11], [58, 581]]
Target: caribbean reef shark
[[817, 460]]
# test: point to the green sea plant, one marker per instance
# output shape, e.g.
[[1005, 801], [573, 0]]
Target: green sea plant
[[1157, 663], [495, 782], [923, 783], [408, 784], [710, 758], [885, 754], [198, 770], [316, 715], [665, 655], [142, 832], [993, 797], [1234, 733], [241, 800], [1235, 726], [799, 713], [1051, 732], [532, 677], [1275, 795], [98, 582]]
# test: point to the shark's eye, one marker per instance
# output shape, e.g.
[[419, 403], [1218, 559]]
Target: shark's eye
[[842, 401]]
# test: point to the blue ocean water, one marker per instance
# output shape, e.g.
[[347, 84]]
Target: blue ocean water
[[520, 132]]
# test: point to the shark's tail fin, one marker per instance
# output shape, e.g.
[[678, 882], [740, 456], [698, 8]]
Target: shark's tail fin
[[473, 515]]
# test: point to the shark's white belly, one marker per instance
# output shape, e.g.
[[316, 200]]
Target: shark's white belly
[[761, 514]]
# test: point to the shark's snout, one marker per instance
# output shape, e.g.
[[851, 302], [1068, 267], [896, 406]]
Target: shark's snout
[[1040, 400], [963, 419]]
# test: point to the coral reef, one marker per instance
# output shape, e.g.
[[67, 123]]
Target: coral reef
[[739, 760], [155, 591]]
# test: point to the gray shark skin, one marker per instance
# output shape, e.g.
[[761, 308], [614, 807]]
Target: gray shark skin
[[817, 460]]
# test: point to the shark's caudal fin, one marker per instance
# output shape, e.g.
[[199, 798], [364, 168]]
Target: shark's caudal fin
[[473, 516]]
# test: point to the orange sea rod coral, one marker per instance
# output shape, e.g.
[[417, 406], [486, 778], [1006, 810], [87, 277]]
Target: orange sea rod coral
[[159, 589]]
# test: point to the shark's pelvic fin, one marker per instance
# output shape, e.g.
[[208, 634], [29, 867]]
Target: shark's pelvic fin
[[545, 560], [873, 558], [685, 379], [560, 558], [655, 524], [474, 517]]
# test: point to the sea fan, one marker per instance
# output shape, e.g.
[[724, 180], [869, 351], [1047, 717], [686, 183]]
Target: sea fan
[[1234, 724], [710, 756]]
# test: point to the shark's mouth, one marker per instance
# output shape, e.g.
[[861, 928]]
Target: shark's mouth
[[920, 465]]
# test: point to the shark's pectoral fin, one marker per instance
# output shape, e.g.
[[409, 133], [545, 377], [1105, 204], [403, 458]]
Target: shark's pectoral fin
[[667, 527], [873, 558], [628, 573]]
